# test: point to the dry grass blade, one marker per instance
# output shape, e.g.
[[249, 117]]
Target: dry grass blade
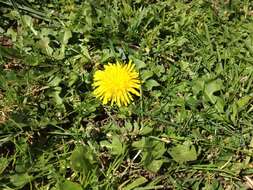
[[249, 182]]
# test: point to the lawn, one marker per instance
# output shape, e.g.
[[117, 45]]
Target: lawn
[[189, 126]]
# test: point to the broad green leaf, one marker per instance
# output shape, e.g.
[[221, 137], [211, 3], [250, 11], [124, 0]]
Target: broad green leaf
[[249, 43], [251, 144], [139, 144], [59, 54], [150, 147], [43, 43], [19, 180], [219, 104], [69, 185], [215, 185], [146, 74], [158, 70], [67, 35], [138, 63], [128, 127], [197, 86], [238, 105], [116, 147], [211, 87], [85, 52], [4, 163], [28, 21], [82, 159], [183, 153], [149, 84], [106, 54], [243, 101], [155, 165], [145, 130], [136, 183], [73, 76], [54, 81], [33, 59], [55, 95], [158, 149], [152, 153], [237, 167]]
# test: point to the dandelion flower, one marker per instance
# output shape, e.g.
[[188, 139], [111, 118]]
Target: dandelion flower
[[116, 84]]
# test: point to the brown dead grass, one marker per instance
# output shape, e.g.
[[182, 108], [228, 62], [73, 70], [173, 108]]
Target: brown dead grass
[[4, 111], [4, 114]]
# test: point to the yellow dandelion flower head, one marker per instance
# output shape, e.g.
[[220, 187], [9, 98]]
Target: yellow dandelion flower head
[[117, 83]]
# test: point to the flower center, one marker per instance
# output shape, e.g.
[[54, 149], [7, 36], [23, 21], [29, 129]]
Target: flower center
[[118, 81]]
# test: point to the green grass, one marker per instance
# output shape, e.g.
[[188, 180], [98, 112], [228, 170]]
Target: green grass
[[190, 129]]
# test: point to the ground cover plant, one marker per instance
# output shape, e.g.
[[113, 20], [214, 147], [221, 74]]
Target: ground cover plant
[[189, 128]]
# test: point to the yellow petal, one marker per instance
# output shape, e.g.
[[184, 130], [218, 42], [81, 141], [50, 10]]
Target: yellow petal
[[116, 83]]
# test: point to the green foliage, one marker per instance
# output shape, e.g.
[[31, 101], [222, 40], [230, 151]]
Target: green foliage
[[190, 129], [136, 183], [116, 147], [152, 153], [83, 160], [19, 180], [69, 185], [183, 153]]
